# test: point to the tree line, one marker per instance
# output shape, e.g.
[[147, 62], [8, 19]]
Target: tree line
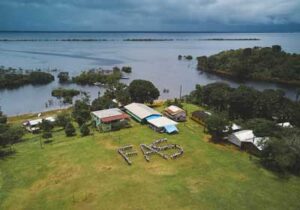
[[9, 135], [258, 63]]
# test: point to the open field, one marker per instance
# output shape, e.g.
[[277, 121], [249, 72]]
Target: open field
[[87, 173]]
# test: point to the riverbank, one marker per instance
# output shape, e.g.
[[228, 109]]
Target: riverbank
[[229, 75], [26, 116]]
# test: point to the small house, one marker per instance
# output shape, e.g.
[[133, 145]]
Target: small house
[[200, 116], [33, 126], [162, 124], [175, 113], [245, 139], [110, 119], [141, 112]]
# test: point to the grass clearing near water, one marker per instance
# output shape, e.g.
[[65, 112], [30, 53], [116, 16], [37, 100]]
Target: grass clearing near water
[[88, 173]]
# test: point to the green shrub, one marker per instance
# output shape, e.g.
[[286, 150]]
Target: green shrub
[[70, 129], [84, 130], [127, 69]]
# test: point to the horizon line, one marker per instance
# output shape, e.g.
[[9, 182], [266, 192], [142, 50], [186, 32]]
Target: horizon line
[[139, 31]]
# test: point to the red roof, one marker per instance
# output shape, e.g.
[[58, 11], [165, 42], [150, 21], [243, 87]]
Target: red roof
[[113, 118]]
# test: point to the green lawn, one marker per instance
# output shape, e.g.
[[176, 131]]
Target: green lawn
[[88, 173]]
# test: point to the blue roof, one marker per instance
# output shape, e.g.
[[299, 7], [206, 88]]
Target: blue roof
[[153, 117], [171, 128]]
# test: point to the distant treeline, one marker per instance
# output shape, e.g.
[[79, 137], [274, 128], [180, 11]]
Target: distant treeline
[[14, 78], [125, 40], [54, 40], [147, 40], [230, 39], [258, 63]]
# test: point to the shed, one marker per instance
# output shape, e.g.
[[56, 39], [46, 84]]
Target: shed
[[245, 137], [163, 124], [200, 116], [175, 113], [110, 119], [140, 111], [33, 125]]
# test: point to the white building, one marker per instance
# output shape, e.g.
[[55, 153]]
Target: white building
[[140, 112], [34, 125], [163, 124], [246, 136]]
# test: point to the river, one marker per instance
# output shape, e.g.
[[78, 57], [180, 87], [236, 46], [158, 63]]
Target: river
[[151, 60]]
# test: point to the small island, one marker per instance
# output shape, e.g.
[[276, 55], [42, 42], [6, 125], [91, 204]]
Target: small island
[[66, 94], [258, 63], [15, 78], [98, 76]]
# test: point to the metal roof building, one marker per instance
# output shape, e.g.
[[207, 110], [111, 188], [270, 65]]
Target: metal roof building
[[140, 112], [247, 136], [163, 124]]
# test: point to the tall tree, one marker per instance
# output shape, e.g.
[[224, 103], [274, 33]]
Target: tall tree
[[242, 101], [143, 91], [81, 112], [216, 95], [216, 124]]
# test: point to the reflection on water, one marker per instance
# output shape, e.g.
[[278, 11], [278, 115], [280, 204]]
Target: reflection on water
[[155, 61]]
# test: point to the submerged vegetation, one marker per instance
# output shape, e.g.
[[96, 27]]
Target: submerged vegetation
[[14, 78], [63, 77], [186, 57], [93, 76], [127, 69], [258, 63], [66, 94]]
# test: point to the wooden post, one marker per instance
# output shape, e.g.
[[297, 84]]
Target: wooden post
[[180, 93]]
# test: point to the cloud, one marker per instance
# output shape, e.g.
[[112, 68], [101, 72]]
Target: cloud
[[147, 14]]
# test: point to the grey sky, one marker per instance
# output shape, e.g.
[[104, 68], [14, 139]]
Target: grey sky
[[196, 15]]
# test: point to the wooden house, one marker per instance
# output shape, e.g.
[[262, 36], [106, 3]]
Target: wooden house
[[175, 113], [110, 119]]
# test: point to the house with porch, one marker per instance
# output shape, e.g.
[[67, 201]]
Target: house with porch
[[110, 119]]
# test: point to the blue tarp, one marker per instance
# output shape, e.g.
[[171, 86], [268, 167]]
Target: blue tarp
[[152, 117], [171, 128]]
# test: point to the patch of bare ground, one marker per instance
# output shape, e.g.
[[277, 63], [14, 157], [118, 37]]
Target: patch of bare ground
[[158, 168], [102, 167], [196, 185], [60, 176]]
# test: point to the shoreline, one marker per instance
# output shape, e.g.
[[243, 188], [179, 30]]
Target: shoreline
[[229, 75], [33, 115]]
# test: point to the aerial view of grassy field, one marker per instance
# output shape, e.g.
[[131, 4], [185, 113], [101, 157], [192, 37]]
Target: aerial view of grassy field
[[88, 173]]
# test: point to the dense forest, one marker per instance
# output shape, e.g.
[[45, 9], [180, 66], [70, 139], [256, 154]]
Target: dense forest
[[258, 63], [14, 78]]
